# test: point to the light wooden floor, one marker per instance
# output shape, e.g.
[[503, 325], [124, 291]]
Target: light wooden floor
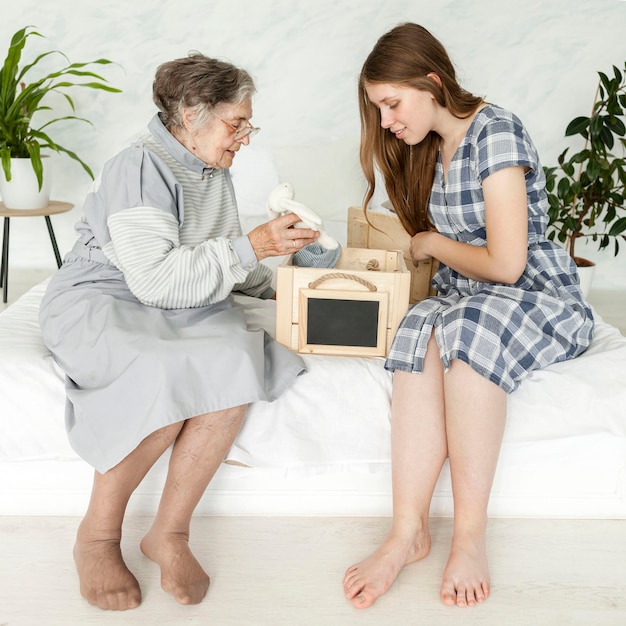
[[287, 571]]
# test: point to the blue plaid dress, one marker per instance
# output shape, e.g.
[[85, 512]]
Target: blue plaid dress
[[502, 331]]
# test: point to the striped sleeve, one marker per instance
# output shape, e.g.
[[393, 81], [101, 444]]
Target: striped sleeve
[[161, 272]]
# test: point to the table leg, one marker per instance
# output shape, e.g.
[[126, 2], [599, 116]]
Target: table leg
[[4, 269], [53, 240]]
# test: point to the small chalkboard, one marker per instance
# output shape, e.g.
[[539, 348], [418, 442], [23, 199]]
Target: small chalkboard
[[346, 322]]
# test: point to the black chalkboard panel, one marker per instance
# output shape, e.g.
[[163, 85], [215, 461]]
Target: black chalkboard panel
[[338, 322], [343, 322]]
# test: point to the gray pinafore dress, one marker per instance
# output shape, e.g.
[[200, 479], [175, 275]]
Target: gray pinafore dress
[[131, 366]]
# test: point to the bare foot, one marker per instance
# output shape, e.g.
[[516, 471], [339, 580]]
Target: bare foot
[[364, 582], [105, 581], [181, 574], [466, 577]]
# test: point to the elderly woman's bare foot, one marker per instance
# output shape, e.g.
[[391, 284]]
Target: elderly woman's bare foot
[[181, 574], [364, 582], [105, 581], [466, 577]]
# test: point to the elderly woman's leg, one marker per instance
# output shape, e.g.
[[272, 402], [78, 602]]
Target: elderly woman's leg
[[105, 581], [198, 451]]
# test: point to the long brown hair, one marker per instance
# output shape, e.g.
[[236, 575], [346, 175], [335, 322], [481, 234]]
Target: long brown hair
[[404, 57]]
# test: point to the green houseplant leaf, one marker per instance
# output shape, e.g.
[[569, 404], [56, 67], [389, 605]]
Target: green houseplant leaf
[[21, 100], [586, 191]]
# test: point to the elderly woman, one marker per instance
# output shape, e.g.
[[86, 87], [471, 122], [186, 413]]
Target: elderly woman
[[141, 319]]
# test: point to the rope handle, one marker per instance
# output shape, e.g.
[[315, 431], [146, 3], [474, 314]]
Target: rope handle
[[358, 279]]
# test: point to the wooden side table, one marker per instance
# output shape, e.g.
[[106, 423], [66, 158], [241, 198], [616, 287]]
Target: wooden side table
[[54, 208]]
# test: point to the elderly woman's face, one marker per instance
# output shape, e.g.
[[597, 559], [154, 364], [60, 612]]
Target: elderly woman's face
[[215, 143]]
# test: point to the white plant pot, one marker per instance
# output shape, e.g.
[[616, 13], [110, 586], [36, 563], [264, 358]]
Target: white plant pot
[[22, 192]]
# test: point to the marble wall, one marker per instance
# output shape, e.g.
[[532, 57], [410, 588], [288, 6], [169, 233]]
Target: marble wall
[[539, 59]]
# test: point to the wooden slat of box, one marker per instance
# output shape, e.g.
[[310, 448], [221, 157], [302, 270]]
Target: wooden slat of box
[[386, 232], [392, 279]]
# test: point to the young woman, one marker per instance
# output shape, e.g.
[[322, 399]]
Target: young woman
[[466, 182]]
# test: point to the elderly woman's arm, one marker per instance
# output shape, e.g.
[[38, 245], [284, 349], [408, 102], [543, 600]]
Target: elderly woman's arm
[[161, 272]]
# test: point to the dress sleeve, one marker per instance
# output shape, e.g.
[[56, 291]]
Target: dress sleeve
[[504, 143]]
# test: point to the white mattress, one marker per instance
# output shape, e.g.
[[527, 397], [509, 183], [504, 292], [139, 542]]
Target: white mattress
[[323, 447]]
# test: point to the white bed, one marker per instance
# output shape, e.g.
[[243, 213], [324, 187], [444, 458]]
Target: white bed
[[323, 447]]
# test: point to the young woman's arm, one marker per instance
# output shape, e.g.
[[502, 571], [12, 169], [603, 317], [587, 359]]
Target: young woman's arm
[[506, 215]]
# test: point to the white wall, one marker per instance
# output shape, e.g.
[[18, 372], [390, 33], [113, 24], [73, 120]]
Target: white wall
[[537, 58]]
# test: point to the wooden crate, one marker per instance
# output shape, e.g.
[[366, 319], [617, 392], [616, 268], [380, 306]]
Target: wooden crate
[[352, 309], [385, 232]]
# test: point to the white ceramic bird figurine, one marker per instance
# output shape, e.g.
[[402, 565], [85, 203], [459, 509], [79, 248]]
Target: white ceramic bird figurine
[[280, 202]]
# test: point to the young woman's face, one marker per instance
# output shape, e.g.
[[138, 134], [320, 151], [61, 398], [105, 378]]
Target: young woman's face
[[410, 114], [215, 143]]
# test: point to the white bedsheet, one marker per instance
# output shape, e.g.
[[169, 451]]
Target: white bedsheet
[[328, 435]]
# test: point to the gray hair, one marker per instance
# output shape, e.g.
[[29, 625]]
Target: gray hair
[[199, 83]]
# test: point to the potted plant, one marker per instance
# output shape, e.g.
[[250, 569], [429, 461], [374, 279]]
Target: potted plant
[[586, 192], [20, 141]]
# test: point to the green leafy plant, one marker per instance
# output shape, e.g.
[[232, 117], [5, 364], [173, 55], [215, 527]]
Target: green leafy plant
[[20, 100], [586, 191]]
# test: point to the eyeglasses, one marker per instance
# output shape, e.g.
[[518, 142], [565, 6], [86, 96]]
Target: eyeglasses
[[247, 130]]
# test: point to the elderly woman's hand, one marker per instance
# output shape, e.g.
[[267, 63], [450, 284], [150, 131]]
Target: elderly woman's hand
[[278, 237]]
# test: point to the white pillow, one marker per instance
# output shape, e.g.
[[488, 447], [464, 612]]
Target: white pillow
[[327, 177], [254, 176]]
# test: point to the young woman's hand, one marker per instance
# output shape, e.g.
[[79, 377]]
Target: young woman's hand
[[418, 247]]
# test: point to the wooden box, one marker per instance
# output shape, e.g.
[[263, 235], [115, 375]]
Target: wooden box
[[386, 232], [352, 309]]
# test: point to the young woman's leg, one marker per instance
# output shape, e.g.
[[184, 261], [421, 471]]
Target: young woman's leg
[[418, 451], [105, 581], [198, 451], [475, 419]]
